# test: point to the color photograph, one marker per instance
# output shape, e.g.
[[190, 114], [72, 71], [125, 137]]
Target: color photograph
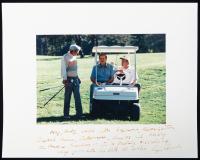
[[101, 79]]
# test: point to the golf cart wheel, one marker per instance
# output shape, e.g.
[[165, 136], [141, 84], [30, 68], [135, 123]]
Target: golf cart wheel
[[135, 112], [94, 109]]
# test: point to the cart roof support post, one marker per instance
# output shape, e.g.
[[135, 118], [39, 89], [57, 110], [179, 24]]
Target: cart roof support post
[[96, 64]]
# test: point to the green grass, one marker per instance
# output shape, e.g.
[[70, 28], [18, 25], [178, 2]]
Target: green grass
[[151, 71]]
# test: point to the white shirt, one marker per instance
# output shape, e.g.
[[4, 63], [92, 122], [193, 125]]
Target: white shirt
[[68, 66], [130, 76]]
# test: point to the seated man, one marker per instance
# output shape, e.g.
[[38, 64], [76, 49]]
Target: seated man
[[131, 77], [105, 74]]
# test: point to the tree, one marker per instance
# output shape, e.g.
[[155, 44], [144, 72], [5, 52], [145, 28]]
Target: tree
[[59, 44]]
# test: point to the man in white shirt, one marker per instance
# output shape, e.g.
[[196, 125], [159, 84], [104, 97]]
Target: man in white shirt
[[131, 75], [71, 81]]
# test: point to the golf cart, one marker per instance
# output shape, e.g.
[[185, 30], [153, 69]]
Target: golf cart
[[116, 99]]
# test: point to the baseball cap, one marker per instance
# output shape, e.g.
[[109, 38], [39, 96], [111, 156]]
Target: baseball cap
[[74, 47], [125, 57]]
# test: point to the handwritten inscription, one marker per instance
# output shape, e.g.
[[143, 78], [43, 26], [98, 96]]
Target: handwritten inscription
[[105, 139]]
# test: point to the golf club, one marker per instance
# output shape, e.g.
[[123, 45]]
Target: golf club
[[50, 88], [54, 95]]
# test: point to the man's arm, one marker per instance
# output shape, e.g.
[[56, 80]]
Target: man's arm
[[93, 75], [63, 70], [93, 80], [110, 80], [133, 78]]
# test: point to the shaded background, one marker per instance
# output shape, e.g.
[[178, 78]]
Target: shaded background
[[57, 45]]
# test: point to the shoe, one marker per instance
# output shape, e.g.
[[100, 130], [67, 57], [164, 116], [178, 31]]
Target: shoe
[[90, 107], [66, 117], [80, 116]]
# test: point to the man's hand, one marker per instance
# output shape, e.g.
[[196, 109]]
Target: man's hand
[[133, 83], [98, 83], [65, 82], [79, 80], [110, 80]]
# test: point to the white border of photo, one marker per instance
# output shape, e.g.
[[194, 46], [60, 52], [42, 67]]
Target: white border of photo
[[23, 21]]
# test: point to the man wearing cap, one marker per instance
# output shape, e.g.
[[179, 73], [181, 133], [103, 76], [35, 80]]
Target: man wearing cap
[[71, 80], [130, 72], [102, 73]]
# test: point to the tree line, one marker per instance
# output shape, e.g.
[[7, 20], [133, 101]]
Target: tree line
[[57, 45]]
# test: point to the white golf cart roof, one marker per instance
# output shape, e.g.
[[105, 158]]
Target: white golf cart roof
[[115, 49]]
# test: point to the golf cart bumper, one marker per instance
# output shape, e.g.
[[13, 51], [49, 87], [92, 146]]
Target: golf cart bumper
[[116, 93], [118, 103]]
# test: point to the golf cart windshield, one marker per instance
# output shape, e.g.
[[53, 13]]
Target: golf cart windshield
[[118, 50]]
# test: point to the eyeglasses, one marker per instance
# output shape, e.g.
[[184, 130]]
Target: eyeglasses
[[73, 50]]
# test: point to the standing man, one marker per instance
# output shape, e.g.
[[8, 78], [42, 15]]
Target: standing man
[[104, 74], [71, 80]]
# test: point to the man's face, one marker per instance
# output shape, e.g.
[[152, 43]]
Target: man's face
[[74, 53], [102, 59], [124, 63]]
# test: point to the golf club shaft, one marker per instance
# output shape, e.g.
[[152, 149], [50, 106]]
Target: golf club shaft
[[50, 88], [54, 96]]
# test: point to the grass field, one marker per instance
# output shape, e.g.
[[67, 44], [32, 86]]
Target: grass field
[[151, 71]]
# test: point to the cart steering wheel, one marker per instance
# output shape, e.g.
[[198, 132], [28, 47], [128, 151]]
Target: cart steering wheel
[[121, 76]]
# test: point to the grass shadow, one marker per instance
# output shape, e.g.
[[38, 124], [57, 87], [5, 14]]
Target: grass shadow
[[86, 117], [48, 59]]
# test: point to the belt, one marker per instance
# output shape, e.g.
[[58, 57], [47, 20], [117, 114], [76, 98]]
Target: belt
[[72, 77], [102, 81]]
